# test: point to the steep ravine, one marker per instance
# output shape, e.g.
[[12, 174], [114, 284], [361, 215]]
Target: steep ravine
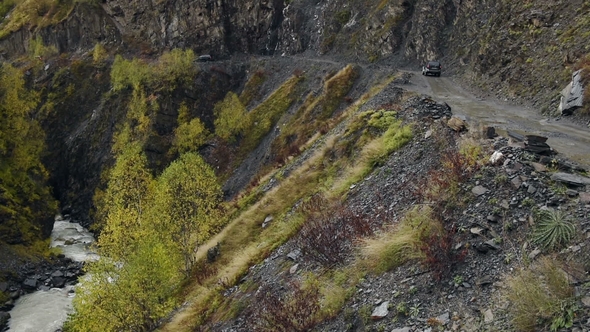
[[521, 53]]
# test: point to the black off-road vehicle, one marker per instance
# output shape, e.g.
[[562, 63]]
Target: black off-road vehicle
[[432, 68]]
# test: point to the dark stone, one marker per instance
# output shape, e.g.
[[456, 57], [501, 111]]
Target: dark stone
[[489, 132], [4, 317], [538, 148], [57, 274], [534, 139], [7, 306], [3, 286], [212, 253], [30, 283], [571, 179], [493, 218], [485, 280], [518, 137], [58, 282]]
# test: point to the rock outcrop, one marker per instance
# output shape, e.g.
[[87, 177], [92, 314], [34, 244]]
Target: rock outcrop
[[81, 30], [572, 97]]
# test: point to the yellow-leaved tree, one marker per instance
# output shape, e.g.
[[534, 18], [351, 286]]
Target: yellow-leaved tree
[[188, 197], [190, 134], [131, 294], [129, 197], [231, 117]]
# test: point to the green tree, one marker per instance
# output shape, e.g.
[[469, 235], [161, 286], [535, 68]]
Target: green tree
[[190, 135], [189, 196], [231, 117], [129, 73], [99, 54], [128, 198], [128, 295], [174, 67]]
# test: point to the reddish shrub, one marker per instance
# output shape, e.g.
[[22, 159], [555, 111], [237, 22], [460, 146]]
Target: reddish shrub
[[294, 312], [441, 257], [330, 231], [203, 271]]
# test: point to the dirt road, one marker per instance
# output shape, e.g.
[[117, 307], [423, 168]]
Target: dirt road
[[567, 138]]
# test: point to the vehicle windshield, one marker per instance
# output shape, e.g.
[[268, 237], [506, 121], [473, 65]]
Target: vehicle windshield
[[434, 63]]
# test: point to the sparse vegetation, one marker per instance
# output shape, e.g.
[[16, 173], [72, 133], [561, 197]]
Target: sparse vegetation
[[298, 312], [317, 111], [252, 87], [584, 65], [26, 198], [33, 13], [265, 115], [541, 297]]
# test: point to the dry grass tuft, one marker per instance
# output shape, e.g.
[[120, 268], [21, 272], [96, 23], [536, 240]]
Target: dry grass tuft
[[401, 243], [541, 297]]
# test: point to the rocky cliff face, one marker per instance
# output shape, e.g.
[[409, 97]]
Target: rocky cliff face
[[219, 27], [83, 28]]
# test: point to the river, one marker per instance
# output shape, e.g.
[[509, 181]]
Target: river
[[46, 311]]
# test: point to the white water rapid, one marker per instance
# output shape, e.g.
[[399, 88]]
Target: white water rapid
[[46, 311]]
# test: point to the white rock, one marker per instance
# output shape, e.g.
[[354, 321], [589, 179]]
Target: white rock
[[496, 158], [381, 311]]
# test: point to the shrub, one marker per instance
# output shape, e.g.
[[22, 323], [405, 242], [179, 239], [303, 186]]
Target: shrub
[[170, 69], [175, 67], [129, 73], [439, 252], [553, 229], [328, 235], [441, 186], [294, 312], [541, 297]]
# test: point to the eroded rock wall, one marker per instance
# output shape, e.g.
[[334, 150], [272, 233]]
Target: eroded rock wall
[[85, 26], [219, 27]]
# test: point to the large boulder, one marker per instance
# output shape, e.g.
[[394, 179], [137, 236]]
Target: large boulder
[[572, 97]]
